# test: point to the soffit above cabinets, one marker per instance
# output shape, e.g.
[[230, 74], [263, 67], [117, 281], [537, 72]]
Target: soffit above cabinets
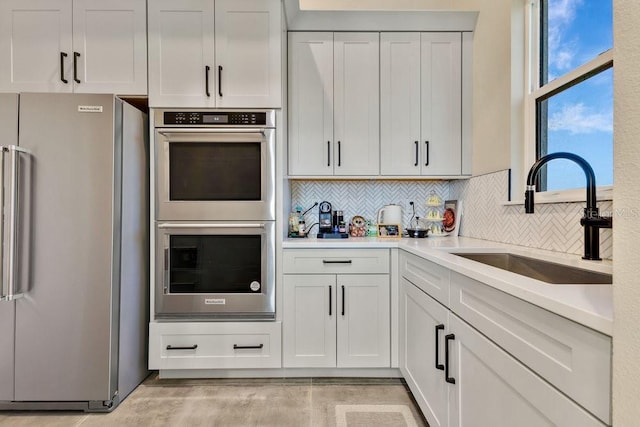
[[376, 20]]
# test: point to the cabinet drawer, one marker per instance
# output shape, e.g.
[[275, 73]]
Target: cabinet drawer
[[219, 345], [426, 275], [572, 357], [336, 261]]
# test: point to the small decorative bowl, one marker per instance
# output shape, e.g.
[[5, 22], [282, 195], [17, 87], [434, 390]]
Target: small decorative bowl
[[417, 232]]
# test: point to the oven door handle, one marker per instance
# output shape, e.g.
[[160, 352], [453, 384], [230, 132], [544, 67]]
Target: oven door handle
[[169, 132], [204, 225]]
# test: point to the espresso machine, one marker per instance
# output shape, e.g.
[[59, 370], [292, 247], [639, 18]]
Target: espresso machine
[[331, 224]]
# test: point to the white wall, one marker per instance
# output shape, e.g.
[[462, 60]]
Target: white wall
[[493, 113], [626, 226]]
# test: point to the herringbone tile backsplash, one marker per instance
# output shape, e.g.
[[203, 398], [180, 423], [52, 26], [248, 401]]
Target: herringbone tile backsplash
[[554, 227], [365, 198]]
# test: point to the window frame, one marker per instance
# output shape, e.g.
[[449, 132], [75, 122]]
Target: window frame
[[535, 92]]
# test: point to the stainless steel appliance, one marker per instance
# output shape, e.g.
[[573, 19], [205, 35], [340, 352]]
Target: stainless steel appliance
[[215, 214], [215, 165], [217, 270], [75, 251]]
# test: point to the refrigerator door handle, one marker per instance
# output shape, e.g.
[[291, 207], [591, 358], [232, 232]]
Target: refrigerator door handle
[[14, 194], [3, 295]]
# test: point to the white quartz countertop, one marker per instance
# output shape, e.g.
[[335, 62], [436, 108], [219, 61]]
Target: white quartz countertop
[[589, 305]]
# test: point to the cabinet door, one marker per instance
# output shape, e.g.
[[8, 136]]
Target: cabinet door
[[494, 389], [400, 104], [423, 324], [181, 47], [357, 104], [110, 46], [309, 321], [363, 321], [441, 103], [35, 46], [248, 53], [310, 104]]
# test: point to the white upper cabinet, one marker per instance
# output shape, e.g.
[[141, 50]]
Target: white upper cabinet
[[421, 104], [310, 104], [96, 46], [110, 46], [181, 46], [334, 104], [441, 103], [400, 137], [36, 46], [248, 60], [393, 104], [357, 103], [215, 53]]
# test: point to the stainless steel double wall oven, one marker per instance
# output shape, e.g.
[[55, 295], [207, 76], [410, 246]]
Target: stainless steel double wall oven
[[215, 214]]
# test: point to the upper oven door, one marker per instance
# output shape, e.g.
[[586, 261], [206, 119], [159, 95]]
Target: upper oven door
[[209, 174]]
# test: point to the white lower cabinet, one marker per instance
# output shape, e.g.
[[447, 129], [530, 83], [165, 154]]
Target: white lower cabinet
[[335, 320], [422, 322], [214, 345], [466, 365], [492, 388]]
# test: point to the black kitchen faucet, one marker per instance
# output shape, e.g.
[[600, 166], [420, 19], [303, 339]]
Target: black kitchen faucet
[[591, 221]]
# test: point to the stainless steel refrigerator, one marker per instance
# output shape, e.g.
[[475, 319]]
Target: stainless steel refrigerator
[[74, 306]]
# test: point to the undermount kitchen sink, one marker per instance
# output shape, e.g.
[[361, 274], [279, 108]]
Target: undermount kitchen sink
[[545, 271]]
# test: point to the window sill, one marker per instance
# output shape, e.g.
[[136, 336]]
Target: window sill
[[565, 196]]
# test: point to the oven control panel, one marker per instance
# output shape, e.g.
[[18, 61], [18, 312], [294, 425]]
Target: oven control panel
[[206, 118]]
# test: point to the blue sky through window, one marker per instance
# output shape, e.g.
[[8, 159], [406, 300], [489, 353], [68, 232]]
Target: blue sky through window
[[579, 119]]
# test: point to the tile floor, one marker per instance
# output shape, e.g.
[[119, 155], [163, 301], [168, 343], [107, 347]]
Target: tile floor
[[339, 402]]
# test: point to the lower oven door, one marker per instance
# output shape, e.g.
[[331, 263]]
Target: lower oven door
[[215, 270]]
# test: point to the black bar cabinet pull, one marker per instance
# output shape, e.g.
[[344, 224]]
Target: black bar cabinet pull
[[206, 80], [328, 153], [245, 347], [417, 144], [330, 302], [447, 338], [190, 347], [343, 300], [336, 261], [438, 329], [339, 154], [76, 55], [220, 80], [62, 56], [427, 147]]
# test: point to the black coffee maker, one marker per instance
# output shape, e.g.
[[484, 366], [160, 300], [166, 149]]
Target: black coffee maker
[[325, 218], [328, 223]]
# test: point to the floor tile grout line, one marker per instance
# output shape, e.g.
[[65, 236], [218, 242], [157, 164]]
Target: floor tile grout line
[[311, 403]]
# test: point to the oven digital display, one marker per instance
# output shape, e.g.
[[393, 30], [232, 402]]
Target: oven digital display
[[215, 118]]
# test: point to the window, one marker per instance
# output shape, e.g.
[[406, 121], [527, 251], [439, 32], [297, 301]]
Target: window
[[570, 104]]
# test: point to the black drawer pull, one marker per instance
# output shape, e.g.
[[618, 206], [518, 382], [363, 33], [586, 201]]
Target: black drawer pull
[[206, 80], [330, 302], [76, 55], [438, 329], [330, 261], [191, 347], [62, 56], [427, 152], [343, 300], [244, 347], [447, 338]]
